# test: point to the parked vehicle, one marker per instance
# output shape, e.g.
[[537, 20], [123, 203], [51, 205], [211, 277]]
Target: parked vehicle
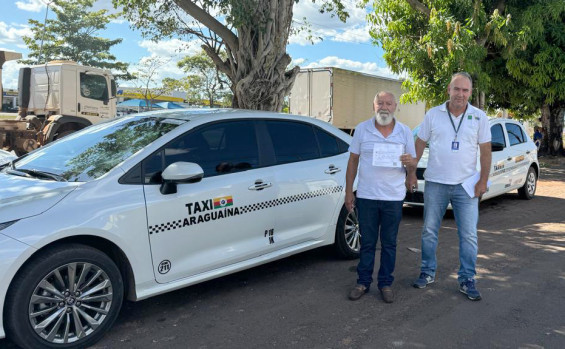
[[344, 97], [56, 99], [514, 164], [150, 203]]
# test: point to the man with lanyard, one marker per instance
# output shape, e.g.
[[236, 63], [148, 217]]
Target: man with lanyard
[[381, 147], [455, 132]]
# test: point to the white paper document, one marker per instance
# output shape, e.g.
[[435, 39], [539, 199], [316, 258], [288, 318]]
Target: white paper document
[[469, 184], [387, 154]]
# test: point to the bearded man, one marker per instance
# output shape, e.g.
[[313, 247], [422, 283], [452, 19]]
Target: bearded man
[[383, 151]]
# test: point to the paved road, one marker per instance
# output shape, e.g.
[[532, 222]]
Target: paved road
[[301, 302]]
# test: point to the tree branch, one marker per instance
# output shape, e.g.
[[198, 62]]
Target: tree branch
[[501, 6], [418, 6], [222, 66], [229, 38]]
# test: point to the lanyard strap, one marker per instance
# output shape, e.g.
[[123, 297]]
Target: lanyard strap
[[460, 121]]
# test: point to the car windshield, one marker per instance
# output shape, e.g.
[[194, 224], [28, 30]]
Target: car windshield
[[90, 153]]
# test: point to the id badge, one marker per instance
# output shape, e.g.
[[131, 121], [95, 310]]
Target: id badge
[[454, 146]]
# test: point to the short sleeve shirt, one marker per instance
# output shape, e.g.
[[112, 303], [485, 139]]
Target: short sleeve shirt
[[376, 182], [445, 165]]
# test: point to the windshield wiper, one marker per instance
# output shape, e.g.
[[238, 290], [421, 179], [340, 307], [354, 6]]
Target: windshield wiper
[[36, 174]]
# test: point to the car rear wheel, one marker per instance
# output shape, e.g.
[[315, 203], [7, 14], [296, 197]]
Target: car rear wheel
[[347, 237], [66, 297], [528, 190]]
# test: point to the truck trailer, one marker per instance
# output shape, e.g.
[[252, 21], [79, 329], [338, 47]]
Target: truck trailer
[[344, 98], [56, 99]]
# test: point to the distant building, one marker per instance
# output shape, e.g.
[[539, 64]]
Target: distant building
[[9, 100]]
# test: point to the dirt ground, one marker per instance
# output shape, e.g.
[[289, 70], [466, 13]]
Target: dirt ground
[[301, 302]]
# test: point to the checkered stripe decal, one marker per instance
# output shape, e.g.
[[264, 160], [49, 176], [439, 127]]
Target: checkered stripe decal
[[289, 199], [159, 228]]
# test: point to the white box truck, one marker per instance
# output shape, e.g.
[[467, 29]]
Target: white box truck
[[344, 98], [56, 99]]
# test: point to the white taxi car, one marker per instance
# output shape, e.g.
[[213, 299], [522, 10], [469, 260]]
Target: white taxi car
[[514, 163], [153, 202]]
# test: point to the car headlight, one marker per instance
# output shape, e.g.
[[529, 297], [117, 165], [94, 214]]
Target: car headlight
[[7, 224]]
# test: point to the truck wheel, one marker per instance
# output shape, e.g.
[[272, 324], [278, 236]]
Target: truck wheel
[[528, 190], [347, 237], [63, 133], [66, 297]]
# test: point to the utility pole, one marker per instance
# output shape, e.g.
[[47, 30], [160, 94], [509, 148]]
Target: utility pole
[[4, 57]]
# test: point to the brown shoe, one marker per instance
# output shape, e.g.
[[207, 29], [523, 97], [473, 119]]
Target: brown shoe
[[388, 295], [357, 292]]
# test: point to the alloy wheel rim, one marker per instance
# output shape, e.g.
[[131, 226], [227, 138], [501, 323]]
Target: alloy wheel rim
[[531, 183], [70, 302], [352, 235]]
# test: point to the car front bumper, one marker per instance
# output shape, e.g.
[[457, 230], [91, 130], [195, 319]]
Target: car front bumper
[[11, 253]]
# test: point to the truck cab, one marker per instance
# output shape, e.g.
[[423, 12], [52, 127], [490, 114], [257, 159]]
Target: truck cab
[[56, 99]]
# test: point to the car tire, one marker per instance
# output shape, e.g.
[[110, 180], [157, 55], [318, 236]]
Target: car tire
[[347, 237], [528, 190], [73, 291]]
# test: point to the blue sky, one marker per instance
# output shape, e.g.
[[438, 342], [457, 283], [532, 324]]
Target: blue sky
[[345, 45]]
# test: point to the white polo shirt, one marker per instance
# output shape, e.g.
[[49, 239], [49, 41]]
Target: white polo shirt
[[377, 182], [445, 165]]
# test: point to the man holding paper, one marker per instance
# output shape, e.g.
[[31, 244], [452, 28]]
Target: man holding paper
[[381, 148], [455, 131]]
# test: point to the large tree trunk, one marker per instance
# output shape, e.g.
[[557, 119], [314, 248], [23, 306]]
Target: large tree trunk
[[261, 78], [552, 121], [257, 59]]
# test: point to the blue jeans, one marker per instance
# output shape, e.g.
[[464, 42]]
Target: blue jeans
[[378, 216], [466, 211]]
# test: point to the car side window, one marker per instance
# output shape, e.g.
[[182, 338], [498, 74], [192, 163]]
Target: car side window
[[515, 134], [219, 148], [329, 144], [292, 141], [497, 136]]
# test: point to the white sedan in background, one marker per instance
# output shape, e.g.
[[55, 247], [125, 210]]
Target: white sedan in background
[[514, 164], [149, 203]]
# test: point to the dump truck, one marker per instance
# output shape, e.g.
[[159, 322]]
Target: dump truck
[[344, 98], [56, 99]]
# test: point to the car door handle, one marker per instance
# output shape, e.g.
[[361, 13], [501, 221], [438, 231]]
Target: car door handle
[[509, 158], [332, 169], [527, 151], [260, 185]]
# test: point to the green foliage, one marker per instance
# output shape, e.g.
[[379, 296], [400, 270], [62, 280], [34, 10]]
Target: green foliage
[[206, 82], [72, 36], [513, 49], [431, 48], [539, 63]]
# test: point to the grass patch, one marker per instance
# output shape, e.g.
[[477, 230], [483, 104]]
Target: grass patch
[[7, 116]]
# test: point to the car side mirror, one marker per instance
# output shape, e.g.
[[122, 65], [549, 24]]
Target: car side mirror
[[497, 146], [180, 172]]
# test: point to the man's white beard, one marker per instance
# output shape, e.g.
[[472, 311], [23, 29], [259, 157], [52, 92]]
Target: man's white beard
[[383, 118]]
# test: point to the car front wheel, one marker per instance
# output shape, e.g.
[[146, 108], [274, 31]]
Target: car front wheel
[[528, 190], [66, 297], [347, 237]]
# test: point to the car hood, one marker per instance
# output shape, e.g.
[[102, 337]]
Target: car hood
[[22, 197]]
